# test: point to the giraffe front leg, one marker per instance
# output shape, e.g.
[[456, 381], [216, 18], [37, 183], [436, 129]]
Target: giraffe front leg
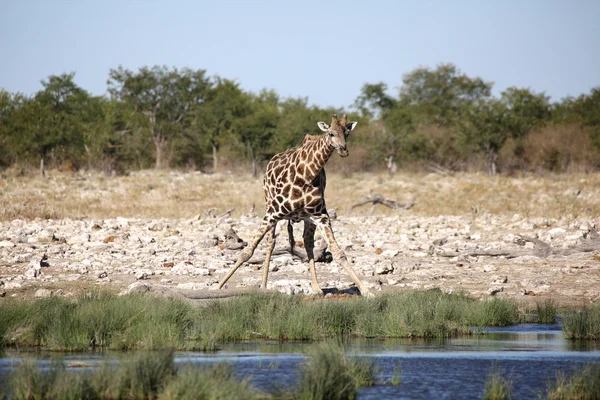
[[249, 250], [309, 245], [270, 247], [339, 255]]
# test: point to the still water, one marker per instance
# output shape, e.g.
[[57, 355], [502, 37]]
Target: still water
[[529, 355]]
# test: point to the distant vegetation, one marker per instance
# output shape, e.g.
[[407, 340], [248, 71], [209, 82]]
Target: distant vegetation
[[165, 117]]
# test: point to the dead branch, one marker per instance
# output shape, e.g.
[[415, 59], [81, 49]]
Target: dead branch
[[319, 252], [437, 168], [378, 199], [540, 250]]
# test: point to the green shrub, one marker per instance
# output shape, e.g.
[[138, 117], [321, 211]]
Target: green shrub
[[497, 387], [583, 324], [584, 384]]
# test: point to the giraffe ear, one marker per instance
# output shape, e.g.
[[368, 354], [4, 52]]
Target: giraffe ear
[[351, 125], [323, 126]]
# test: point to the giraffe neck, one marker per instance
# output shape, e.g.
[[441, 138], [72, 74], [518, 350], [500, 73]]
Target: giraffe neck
[[318, 151]]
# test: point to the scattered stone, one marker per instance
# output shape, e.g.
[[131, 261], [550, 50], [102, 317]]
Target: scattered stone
[[42, 293], [495, 290], [384, 268], [32, 273], [135, 288], [140, 275], [102, 274], [440, 242], [109, 239]]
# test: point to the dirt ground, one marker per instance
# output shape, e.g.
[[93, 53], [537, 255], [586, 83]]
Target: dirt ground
[[527, 238]]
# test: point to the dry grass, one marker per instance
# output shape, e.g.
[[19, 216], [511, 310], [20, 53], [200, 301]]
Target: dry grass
[[174, 194]]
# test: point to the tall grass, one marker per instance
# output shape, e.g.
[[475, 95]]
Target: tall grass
[[582, 324], [546, 312], [584, 384], [145, 322], [497, 387], [149, 376], [327, 374], [330, 375]]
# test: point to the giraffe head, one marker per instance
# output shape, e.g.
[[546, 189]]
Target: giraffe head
[[337, 133]]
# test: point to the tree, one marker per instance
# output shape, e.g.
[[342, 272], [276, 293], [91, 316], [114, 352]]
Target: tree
[[373, 100], [296, 119], [164, 98], [525, 110], [256, 129], [439, 96], [225, 103], [588, 109], [49, 124], [484, 128]]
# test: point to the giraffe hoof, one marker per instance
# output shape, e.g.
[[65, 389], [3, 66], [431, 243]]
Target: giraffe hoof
[[368, 294], [317, 292]]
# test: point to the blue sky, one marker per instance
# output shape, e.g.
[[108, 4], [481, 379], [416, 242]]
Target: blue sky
[[324, 50]]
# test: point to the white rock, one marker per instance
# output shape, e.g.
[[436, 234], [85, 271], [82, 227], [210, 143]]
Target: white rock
[[139, 275], [390, 253], [555, 232], [32, 273], [136, 287], [43, 293], [384, 267]]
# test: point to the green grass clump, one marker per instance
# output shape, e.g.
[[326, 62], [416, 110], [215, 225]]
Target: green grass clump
[[149, 376], [216, 382], [100, 320], [584, 384], [497, 387], [495, 312], [329, 375], [583, 324], [546, 312], [145, 322], [142, 378]]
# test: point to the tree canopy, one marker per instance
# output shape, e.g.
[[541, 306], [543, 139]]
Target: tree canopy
[[167, 117]]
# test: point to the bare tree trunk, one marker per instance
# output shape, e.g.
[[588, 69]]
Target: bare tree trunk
[[42, 169], [215, 149], [492, 157], [160, 144], [253, 159]]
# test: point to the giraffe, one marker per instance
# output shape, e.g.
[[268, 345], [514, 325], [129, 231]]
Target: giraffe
[[294, 190]]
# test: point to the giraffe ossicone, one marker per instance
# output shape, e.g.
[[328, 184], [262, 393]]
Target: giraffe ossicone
[[294, 189]]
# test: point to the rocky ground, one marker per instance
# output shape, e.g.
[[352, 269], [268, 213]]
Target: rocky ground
[[529, 238], [529, 259]]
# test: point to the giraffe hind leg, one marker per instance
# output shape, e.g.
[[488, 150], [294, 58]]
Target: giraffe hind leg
[[249, 250], [309, 245]]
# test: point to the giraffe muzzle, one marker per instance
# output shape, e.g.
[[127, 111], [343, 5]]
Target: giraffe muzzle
[[343, 151]]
